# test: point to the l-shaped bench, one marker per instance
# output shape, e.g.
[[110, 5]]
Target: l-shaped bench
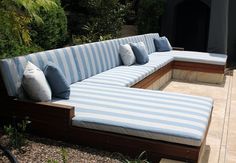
[[104, 112]]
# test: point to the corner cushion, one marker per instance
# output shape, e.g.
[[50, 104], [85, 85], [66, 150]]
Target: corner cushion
[[57, 81]]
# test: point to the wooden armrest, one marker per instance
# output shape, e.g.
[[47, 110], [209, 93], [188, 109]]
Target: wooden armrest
[[178, 48], [42, 112]]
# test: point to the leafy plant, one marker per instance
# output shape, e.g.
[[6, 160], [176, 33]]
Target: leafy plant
[[139, 159], [95, 18], [16, 16], [63, 156], [52, 33], [149, 14], [16, 133]]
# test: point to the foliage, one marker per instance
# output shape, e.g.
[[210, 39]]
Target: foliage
[[16, 133], [63, 157], [139, 159], [53, 32], [95, 18], [149, 14], [91, 36], [16, 16]]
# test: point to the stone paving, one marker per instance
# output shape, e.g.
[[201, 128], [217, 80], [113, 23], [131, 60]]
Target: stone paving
[[221, 138]]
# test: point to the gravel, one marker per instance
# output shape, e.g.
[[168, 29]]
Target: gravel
[[40, 150]]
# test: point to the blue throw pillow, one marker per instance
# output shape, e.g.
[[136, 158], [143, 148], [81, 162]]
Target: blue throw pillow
[[140, 52], [162, 44], [57, 81]]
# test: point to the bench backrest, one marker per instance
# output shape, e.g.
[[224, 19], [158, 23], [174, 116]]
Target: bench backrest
[[76, 62]]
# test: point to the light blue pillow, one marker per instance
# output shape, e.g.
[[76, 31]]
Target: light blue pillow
[[57, 81], [162, 44], [140, 52]]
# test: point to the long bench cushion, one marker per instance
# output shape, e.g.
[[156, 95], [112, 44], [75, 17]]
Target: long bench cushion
[[158, 61], [125, 76], [157, 115], [94, 58], [198, 57], [12, 69]]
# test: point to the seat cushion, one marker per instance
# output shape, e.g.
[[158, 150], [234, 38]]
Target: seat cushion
[[157, 115], [124, 76], [198, 57], [158, 61]]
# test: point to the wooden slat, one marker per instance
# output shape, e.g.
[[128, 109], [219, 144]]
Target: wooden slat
[[201, 67], [133, 146]]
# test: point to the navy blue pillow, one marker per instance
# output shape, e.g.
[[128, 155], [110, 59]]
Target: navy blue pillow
[[57, 81], [162, 44], [140, 52]]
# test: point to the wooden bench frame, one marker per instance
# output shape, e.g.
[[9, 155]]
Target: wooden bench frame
[[55, 121]]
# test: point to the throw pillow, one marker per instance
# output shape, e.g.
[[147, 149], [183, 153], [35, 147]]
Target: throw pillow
[[162, 44], [57, 81], [140, 52], [35, 83], [126, 54]]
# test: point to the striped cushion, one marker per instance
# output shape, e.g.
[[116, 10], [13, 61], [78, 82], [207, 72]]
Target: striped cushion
[[12, 69], [198, 57], [158, 61], [150, 41], [94, 58], [125, 76], [157, 115], [133, 39]]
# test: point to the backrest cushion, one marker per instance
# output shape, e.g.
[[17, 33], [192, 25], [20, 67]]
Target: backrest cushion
[[140, 52], [132, 39], [57, 81], [12, 69], [150, 42], [162, 44], [94, 58]]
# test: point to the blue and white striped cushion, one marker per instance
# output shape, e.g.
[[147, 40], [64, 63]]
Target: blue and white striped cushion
[[150, 41], [124, 76], [158, 61], [157, 115], [197, 57], [12, 69], [133, 39], [94, 58]]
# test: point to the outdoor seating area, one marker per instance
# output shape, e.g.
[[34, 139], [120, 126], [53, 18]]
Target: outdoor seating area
[[120, 105]]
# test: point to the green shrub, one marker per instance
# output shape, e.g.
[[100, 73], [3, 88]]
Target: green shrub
[[16, 133], [95, 18], [16, 17], [148, 17], [12, 48], [53, 32]]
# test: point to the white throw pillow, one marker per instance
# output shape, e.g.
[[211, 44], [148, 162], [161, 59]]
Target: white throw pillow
[[35, 83], [127, 55]]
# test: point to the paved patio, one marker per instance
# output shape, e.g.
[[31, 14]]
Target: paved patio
[[221, 139]]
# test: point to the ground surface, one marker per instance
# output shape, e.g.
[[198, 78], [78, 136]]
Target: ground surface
[[41, 150], [221, 138]]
